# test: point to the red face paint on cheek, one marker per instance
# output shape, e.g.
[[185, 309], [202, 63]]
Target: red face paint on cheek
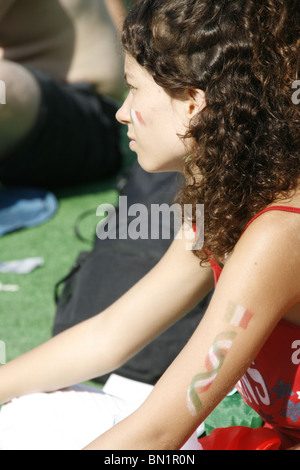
[[136, 118], [140, 118]]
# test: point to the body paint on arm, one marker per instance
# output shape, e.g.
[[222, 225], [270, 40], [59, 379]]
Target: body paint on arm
[[237, 316], [213, 362]]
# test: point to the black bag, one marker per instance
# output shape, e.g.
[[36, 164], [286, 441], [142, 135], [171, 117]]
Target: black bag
[[102, 276]]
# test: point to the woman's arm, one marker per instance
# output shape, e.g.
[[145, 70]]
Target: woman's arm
[[101, 344], [259, 283]]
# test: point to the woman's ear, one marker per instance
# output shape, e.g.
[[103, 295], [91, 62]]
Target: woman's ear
[[196, 102]]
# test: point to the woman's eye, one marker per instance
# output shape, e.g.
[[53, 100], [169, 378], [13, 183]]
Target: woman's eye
[[130, 87]]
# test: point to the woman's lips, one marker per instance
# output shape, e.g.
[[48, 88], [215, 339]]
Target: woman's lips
[[132, 141]]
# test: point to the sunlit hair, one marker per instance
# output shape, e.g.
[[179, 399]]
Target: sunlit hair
[[245, 55]]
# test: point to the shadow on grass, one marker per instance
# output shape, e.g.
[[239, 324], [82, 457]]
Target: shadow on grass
[[85, 189]]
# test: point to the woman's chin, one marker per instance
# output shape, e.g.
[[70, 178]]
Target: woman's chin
[[156, 167]]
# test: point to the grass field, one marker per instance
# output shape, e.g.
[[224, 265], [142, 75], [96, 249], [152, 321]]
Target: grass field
[[26, 316]]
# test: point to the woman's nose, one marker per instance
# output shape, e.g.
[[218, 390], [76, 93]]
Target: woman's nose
[[123, 114]]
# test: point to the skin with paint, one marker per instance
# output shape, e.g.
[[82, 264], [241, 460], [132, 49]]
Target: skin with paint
[[230, 350], [152, 116], [242, 314], [236, 316]]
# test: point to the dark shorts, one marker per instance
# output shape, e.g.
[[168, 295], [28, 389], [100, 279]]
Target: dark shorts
[[76, 139]]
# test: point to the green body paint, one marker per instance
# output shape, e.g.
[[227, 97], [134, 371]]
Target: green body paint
[[237, 316], [214, 361]]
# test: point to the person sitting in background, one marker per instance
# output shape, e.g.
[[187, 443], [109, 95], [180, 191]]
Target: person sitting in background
[[62, 67]]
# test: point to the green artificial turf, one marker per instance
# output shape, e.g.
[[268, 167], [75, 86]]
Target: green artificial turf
[[27, 316]]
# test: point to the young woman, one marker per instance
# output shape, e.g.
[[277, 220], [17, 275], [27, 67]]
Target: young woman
[[211, 85]]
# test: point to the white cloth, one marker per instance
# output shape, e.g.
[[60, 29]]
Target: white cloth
[[73, 418], [68, 419]]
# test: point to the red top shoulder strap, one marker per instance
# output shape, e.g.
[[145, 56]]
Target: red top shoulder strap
[[273, 208], [217, 269]]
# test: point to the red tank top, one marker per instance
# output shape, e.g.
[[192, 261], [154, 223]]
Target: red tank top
[[271, 386]]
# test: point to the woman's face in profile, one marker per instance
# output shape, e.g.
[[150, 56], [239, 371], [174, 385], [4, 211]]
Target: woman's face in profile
[[155, 121]]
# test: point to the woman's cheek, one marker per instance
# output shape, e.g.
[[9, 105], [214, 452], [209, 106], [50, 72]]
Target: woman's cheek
[[137, 118]]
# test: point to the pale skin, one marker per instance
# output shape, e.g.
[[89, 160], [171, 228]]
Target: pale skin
[[167, 293]]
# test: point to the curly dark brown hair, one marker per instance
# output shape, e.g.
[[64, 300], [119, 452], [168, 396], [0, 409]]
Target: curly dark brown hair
[[244, 54]]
